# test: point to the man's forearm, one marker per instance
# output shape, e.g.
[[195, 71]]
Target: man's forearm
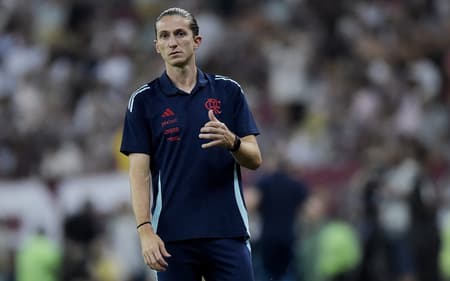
[[140, 198], [140, 187]]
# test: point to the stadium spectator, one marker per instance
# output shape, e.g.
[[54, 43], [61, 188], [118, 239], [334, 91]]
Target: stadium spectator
[[329, 247], [279, 200], [38, 259]]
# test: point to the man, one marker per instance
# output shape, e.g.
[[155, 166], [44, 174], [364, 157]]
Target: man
[[189, 132], [279, 198]]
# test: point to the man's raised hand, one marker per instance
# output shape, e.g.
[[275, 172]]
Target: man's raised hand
[[217, 132]]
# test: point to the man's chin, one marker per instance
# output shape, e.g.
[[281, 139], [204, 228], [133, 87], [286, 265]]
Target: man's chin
[[178, 63]]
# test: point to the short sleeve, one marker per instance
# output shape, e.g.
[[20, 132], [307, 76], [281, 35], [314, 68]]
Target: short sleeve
[[244, 121], [136, 137]]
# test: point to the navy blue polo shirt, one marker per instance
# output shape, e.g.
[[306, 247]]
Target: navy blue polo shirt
[[197, 192]]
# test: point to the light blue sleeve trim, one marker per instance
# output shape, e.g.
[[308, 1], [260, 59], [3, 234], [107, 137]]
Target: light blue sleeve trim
[[158, 206], [239, 201], [137, 92], [219, 77]]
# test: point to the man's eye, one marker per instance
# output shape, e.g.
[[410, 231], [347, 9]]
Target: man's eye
[[180, 33], [163, 35]]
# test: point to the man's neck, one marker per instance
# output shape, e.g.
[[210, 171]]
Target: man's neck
[[184, 78]]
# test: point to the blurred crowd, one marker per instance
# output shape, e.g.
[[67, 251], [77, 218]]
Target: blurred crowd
[[352, 98]]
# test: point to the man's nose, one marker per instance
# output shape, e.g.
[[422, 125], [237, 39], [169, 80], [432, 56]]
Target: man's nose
[[172, 41]]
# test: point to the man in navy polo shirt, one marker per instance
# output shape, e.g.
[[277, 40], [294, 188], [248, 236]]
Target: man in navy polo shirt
[[189, 132]]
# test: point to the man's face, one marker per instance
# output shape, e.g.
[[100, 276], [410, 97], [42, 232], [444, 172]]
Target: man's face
[[175, 41]]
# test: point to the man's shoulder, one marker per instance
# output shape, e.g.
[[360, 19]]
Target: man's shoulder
[[148, 88], [144, 91], [225, 81]]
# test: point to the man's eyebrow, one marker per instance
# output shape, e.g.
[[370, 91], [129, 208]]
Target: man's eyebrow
[[175, 30]]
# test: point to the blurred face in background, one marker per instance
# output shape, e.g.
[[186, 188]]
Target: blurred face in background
[[315, 209], [175, 41]]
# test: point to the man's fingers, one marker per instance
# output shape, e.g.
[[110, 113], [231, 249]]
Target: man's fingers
[[211, 116], [156, 266], [216, 130], [147, 259], [155, 253], [163, 251], [155, 260], [210, 136], [152, 262], [160, 262], [214, 124], [213, 130], [211, 143]]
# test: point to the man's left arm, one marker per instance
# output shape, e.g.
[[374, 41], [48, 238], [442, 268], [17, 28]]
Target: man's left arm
[[245, 150]]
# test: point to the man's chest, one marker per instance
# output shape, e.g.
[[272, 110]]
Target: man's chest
[[180, 118]]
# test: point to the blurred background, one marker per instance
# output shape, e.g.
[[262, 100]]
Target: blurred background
[[352, 98]]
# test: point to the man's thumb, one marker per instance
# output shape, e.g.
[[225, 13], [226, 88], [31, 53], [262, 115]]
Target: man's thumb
[[211, 116]]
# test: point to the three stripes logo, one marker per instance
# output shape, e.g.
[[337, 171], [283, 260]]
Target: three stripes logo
[[168, 113]]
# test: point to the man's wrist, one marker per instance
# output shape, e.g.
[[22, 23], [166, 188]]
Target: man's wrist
[[142, 224], [145, 229], [236, 144]]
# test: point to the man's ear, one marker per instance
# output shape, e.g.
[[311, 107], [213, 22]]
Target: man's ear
[[156, 46], [197, 41]]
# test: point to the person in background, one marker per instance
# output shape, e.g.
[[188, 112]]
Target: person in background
[[38, 259], [81, 230], [187, 133], [329, 248], [280, 197]]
